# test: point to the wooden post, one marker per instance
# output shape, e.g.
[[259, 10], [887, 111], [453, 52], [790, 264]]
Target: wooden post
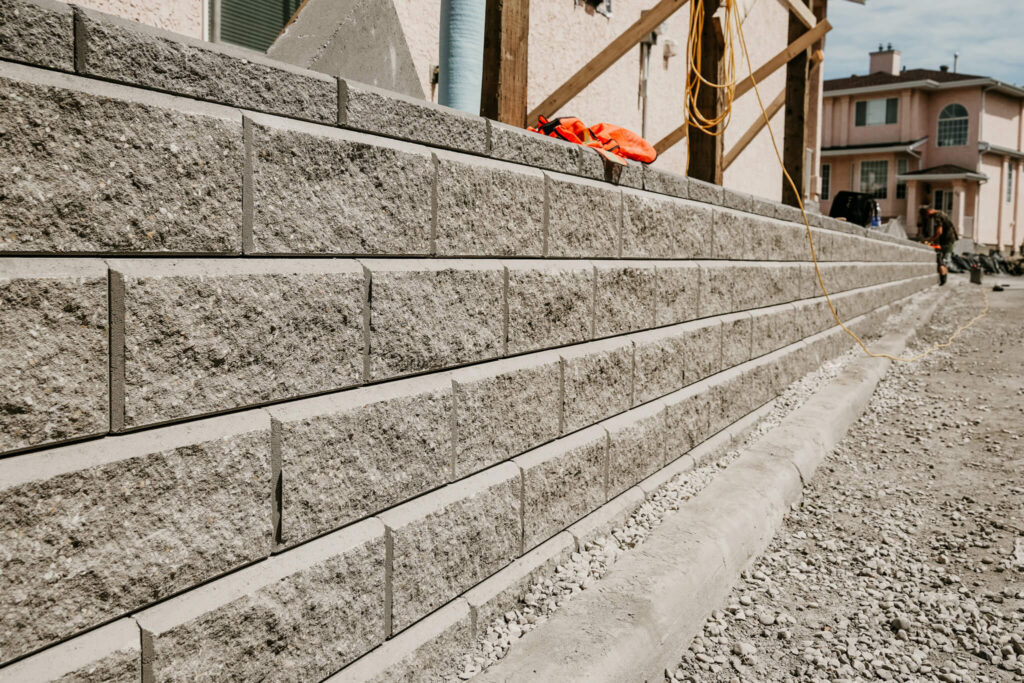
[[794, 137], [506, 39], [706, 150]]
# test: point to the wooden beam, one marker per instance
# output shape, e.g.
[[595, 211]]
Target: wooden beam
[[802, 12], [604, 59], [754, 129], [794, 138], [705, 151], [506, 43], [795, 48]]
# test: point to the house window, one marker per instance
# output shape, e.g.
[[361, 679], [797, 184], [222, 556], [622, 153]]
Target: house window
[[826, 181], [254, 24], [874, 178], [877, 112], [944, 200], [1009, 182], [953, 126], [901, 187]]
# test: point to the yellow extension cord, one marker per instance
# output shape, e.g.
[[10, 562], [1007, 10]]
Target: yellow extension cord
[[716, 126]]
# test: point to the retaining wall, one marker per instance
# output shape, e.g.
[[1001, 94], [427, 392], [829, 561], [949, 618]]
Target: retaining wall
[[302, 377]]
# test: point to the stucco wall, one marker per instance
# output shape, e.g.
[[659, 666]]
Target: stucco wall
[[180, 16], [1001, 123]]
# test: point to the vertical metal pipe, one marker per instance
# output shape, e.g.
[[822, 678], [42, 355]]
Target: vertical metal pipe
[[461, 54]]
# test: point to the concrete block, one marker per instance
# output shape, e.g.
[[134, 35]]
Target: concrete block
[[624, 299], [128, 520], [519, 146], [654, 226], [731, 396], [663, 182], [488, 208], [762, 206], [636, 445], [584, 218], [38, 32], [591, 164], [824, 246], [53, 359], [597, 382], [505, 408], [550, 303], [678, 465], [659, 362], [775, 327], [727, 287], [739, 236], [701, 344], [119, 50], [364, 107], [320, 190], [788, 242], [562, 482], [428, 651], [303, 614], [428, 315], [109, 654], [451, 539], [687, 419], [701, 191], [95, 167], [792, 214], [196, 337], [348, 455], [504, 590], [613, 514], [677, 292], [741, 201], [737, 334], [631, 175]]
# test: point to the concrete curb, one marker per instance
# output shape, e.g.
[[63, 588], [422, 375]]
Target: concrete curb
[[656, 598]]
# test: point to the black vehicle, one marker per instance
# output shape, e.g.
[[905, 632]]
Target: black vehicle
[[855, 207]]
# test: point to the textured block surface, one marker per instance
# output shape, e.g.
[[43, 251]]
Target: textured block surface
[[532, 149], [728, 287], [505, 408], [584, 217], [562, 482], [636, 446], [128, 520], [38, 32], [109, 654], [120, 50], [664, 182], [659, 363], [53, 359], [93, 168], [352, 454], [597, 382], [687, 419], [488, 208], [207, 336], [426, 315], [451, 539], [303, 615], [625, 297], [319, 190], [654, 226], [550, 303], [677, 292], [737, 333]]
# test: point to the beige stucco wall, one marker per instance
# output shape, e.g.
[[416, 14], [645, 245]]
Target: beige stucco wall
[[1001, 123], [180, 16]]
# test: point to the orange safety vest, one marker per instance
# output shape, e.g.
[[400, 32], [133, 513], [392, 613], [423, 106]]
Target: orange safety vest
[[602, 136]]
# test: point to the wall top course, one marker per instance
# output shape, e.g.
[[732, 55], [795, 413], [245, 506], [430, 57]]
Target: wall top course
[[600, 346], [429, 264], [75, 655], [632, 417], [353, 398], [208, 597], [220, 267]]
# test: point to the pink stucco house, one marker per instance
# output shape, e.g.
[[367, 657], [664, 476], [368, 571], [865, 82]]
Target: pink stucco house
[[917, 136]]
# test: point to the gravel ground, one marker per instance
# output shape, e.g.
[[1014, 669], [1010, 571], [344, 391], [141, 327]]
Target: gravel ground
[[905, 558]]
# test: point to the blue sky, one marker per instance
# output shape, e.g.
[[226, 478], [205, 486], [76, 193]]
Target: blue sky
[[988, 34]]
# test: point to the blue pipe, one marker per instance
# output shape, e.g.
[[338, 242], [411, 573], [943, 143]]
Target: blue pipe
[[461, 62]]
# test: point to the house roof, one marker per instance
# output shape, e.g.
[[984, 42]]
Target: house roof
[[943, 169], [873, 148], [943, 172], [907, 76]]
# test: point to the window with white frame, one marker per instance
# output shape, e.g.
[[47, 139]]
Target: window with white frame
[[876, 112], [953, 122], [826, 181], [874, 178], [901, 187]]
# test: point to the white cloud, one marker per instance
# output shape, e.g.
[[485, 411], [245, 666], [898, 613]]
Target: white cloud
[[986, 33]]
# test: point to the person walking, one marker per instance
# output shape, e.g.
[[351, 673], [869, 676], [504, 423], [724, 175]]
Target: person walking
[[945, 236]]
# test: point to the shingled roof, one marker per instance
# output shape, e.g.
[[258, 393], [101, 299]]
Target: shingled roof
[[908, 76]]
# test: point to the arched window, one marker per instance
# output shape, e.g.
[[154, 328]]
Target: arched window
[[953, 126]]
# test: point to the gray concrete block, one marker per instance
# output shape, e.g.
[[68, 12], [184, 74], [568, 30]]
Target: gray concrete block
[[563, 481], [584, 218], [53, 359], [664, 182], [428, 315], [739, 236], [363, 107], [737, 333], [597, 382], [702, 191], [503, 591], [731, 396], [525, 147], [687, 419], [37, 32], [624, 299], [701, 343], [303, 614], [600, 523], [630, 175], [824, 246], [789, 242], [109, 654], [319, 190], [591, 164], [659, 362], [119, 50], [677, 292], [449, 540], [505, 408], [655, 226], [741, 201], [348, 455], [775, 327], [792, 214], [195, 337], [428, 651], [762, 206], [488, 208], [728, 287], [94, 167], [550, 303], [128, 520], [636, 445]]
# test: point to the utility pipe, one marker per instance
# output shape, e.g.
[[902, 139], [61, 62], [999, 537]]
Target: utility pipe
[[461, 62]]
